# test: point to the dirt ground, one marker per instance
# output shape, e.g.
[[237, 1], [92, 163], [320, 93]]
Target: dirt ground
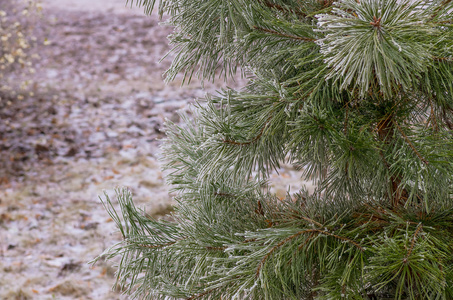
[[94, 123]]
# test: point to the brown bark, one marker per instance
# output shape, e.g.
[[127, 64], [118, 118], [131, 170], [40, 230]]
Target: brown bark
[[386, 129]]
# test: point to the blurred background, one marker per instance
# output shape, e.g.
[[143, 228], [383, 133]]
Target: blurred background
[[82, 105]]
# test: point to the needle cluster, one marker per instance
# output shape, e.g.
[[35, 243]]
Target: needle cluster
[[357, 93]]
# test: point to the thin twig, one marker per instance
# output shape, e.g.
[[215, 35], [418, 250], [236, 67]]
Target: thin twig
[[439, 8], [156, 246], [433, 116], [227, 141], [384, 160], [297, 215], [409, 252], [248, 241], [200, 295], [385, 131], [410, 144], [278, 246], [341, 238], [383, 128], [302, 245], [171, 243], [283, 9], [245, 143], [444, 22], [376, 22], [346, 120], [442, 58], [260, 210], [311, 221], [220, 194], [446, 118], [306, 241], [216, 248], [305, 39], [326, 3], [298, 234]]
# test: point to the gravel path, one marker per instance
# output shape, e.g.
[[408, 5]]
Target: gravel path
[[94, 123]]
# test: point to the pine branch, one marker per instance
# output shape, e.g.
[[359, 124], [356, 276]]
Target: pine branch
[[448, 59], [439, 8], [283, 9], [328, 86], [376, 22], [298, 234], [254, 140], [216, 248], [201, 295], [305, 39], [307, 240], [327, 3], [411, 248], [154, 246], [310, 221], [410, 144], [444, 22], [220, 194]]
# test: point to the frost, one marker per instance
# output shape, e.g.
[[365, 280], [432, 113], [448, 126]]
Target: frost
[[397, 45]]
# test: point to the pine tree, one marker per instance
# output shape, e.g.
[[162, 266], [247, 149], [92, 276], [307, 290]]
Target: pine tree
[[359, 94]]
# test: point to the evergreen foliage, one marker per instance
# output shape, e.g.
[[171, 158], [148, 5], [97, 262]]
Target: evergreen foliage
[[357, 93]]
